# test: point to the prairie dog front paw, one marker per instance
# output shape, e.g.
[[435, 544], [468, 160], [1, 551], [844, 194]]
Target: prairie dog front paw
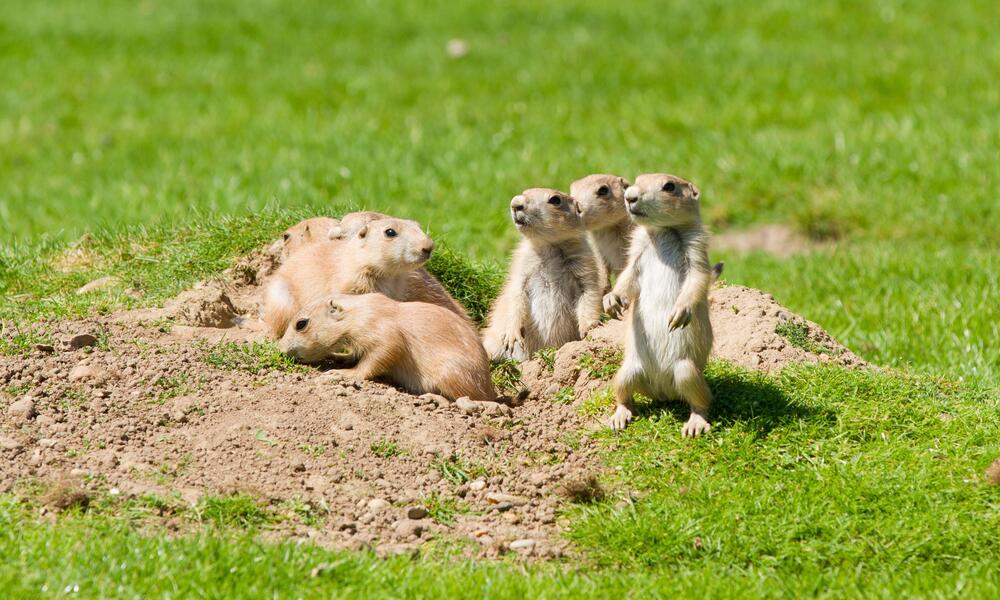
[[614, 304]]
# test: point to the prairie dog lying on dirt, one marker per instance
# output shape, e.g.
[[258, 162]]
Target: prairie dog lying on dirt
[[553, 292], [666, 287], [418, 346], [601, 199], [301, 234], [380, 257], [351, 222]]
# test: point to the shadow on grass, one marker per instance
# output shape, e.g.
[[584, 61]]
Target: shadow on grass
[[739, 396]]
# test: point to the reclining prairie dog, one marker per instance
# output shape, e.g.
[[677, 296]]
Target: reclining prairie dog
[[666, 287], [601, 199], [302, 233], [418, 346], [382, 256], [553, 292], [351, 222]]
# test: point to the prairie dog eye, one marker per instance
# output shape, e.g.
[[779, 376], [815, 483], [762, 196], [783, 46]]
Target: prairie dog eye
[[301, 324], [603, 190], [555, 200], [390, 233], [669, 186], [285, 236]]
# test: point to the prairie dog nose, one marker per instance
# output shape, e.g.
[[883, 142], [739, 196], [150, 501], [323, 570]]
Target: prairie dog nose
[[517, 204], [428, 248], [631, 194]]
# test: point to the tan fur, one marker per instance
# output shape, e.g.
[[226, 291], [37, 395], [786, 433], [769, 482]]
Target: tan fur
[[370, 261], [301, 234], [601, 199], [553, 291], [351, 222], [418, 346], [665, 286]]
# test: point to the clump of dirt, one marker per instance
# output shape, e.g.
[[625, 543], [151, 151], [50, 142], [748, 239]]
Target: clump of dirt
[[993, 473], [181, 405], [776, 239], [750, 328]]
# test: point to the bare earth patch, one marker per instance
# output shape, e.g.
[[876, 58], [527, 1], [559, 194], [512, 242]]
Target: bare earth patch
[[173, 403]]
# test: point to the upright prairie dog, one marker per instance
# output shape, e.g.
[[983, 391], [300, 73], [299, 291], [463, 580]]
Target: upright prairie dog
[[381, 256], [553, 292], [601, 199], [301, 234], [666, 287], [418, 346]]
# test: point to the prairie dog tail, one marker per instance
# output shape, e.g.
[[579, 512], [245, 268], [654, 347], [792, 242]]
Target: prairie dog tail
[[717, 271]]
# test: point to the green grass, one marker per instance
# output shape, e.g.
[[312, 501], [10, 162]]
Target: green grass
[[797, 334], [386, 448], [254, 358], [183, 135]]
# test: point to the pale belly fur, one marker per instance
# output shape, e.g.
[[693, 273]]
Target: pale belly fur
[[552, 297]]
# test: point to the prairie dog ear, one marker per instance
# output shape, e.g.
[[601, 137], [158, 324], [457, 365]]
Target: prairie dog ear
[[335, 309], [336, 233], [694, 192], [363, 231], [307, 234], [624, 183]]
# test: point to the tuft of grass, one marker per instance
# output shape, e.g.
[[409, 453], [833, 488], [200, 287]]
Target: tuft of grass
[[457, 471], [475, 285], [386, 448], [442, 509], [601, 365], [548, 357], [565, 395], [506, 376], [238, 510], [254, 358], [797, 334]]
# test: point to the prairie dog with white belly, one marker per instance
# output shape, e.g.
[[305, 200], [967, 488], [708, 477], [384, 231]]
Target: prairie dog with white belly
[[601, 199], [665, 286], [418, 346], [553, 292]]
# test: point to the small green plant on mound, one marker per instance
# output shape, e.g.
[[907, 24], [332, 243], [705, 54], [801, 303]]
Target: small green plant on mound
[[253, 358], [565, 395], [601, 364], [239, 510], [506, 376], [443, 509], [548, 358], [457, 471], [797, 334], [386, 448]]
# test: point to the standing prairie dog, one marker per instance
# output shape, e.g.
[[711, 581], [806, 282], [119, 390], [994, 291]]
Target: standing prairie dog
[[302, 234], [418, 346], [553, 292], [382, 256], [601, 199], [666, 287]]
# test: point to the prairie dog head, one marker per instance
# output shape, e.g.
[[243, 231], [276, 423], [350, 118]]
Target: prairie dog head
[[662, 200], [601, 199], [301, 234], [391, 246], [323, 329], [545, 214], [352, 222]]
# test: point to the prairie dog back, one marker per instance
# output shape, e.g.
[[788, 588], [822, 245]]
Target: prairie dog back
[[301, 234]]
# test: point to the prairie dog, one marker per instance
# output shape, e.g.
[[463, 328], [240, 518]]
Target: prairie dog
[[601, 199], [553, 292], [665, 285], [350, 223], [301, 234], [418, 346], [380, 257]]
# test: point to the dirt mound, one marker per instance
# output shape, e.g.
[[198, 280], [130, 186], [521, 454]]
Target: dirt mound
[[751, 330], [180, 405]]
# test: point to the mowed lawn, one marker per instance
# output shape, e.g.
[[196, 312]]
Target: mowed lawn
[[182, 134]]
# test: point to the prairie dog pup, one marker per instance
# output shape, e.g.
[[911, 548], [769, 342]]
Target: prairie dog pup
[[666, 286], [378, 258], [601, 199], [418, 346], [302, 233], [553, 292]]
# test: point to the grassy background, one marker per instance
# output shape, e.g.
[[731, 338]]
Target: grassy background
[[183, 134]]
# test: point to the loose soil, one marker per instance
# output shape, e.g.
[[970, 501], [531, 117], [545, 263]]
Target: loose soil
[[141, 411]]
